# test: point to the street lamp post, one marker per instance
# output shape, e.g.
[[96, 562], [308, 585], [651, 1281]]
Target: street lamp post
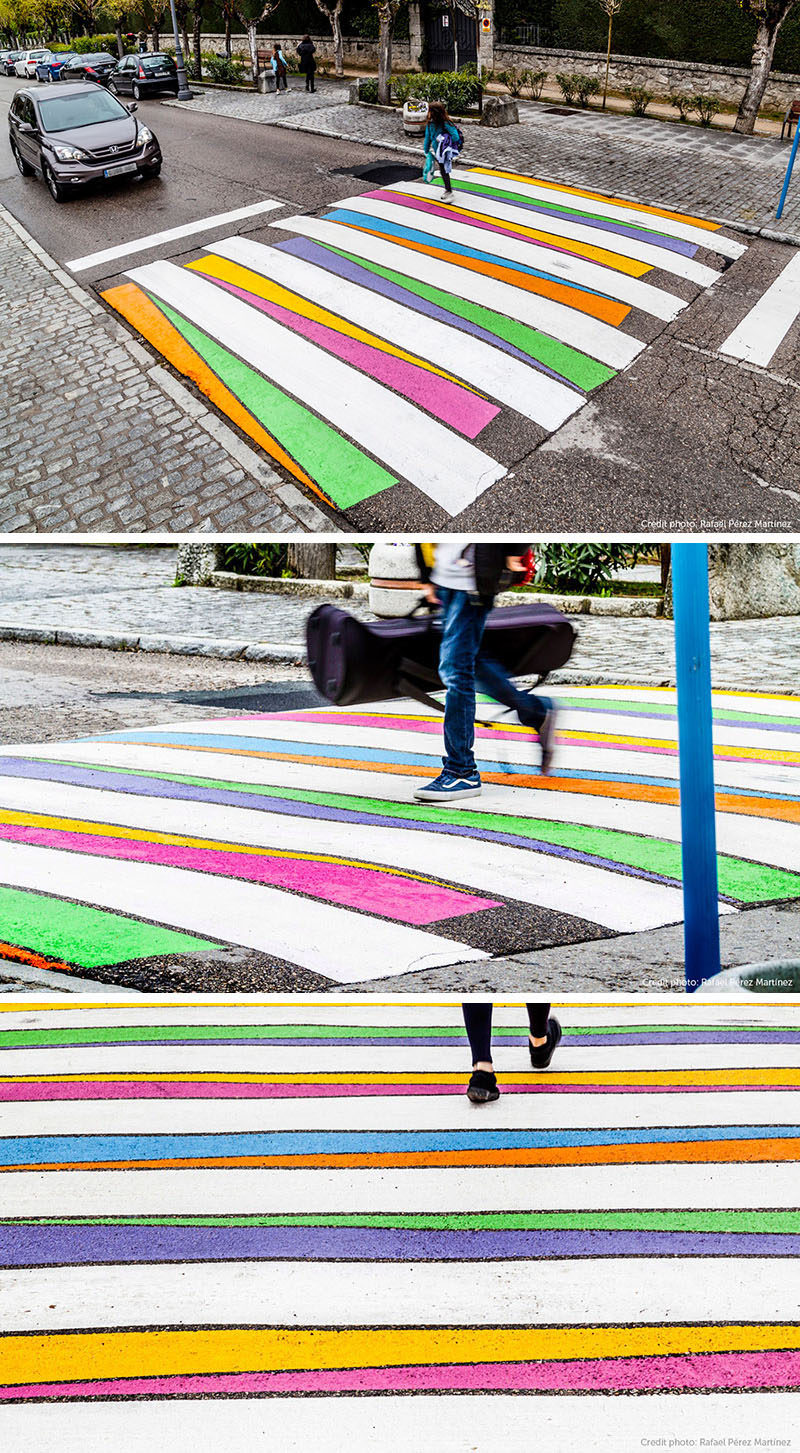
[[696, 763], [184, 94]]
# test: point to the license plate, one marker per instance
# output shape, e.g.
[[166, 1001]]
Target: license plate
[[165, 72], [116, 171]]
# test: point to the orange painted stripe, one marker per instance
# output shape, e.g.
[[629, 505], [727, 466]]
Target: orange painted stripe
[[609, 312], [36, 961], [677, 1152], [602, 197], [629, 265], [142, 313]]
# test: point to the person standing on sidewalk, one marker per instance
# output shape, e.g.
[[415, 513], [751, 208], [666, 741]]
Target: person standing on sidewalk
[[443, 141], [544, 1038], [279, 67], [464, 580], [308, 65]]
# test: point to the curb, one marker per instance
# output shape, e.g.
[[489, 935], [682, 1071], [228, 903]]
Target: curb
[[49, 979], [224, 649], [599, 605]]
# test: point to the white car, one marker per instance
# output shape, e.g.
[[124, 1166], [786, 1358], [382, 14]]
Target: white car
[[26, 67]]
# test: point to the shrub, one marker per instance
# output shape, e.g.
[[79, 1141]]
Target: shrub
[[577, 88], [683, 105], [88, 44], [368, 90], [567, 86], [587, 86], [639, 98], [584, 567], [706, 108], [225, 72], [513, 80], [534, 80], [256, 559], [457, 89]]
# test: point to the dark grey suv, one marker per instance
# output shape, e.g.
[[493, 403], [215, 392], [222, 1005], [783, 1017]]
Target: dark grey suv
[[79, 134]]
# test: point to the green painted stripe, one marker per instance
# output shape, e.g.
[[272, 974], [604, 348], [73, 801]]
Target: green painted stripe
[[667, 709], [472, 183], [344, 472], [586, 373], [744, 881], [765, 1222], [85, 936], [135, 1033]]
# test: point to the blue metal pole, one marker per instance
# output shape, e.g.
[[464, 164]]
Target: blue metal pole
[[698, 828], [788, 176]]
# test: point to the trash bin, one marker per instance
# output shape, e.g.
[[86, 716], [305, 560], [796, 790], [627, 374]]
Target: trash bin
[[395, 588], [415, 117]]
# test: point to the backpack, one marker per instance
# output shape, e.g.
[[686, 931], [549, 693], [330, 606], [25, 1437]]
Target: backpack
[[458, 139]]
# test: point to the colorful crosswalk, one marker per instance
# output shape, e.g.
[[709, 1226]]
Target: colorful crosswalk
[[379, 341], [401, 1244], [295, 834]]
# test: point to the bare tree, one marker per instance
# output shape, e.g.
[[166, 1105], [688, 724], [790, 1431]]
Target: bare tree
[[197, 30], [611, 8], [333, 14], [769, 16], [251, 17], [117, 11], [388, 11]]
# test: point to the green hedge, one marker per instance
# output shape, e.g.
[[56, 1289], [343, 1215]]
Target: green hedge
[[459, 90]]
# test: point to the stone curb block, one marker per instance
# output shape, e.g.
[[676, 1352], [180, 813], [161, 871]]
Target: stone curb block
[[276, 585], [34, 979]]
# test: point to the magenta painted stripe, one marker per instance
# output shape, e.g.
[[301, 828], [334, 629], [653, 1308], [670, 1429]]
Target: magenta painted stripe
[[450, 402], [695, 1372], [434, 727], [376, 892], [232, 1090]]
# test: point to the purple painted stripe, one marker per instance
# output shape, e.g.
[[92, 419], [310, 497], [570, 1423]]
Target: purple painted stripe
[[451, 402], [671, 244], [315, 253], [88, 1245], [450, 1041]]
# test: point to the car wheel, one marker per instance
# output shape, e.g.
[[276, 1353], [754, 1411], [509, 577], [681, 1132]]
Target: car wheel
[[24, 167], [49, 78], [136, 92], [57, 192], [112, 87]]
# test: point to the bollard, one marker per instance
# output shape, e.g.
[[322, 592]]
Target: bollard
[[696, 764], [789, 169]]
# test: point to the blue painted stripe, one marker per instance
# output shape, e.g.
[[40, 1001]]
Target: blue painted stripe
[[77, 1149]]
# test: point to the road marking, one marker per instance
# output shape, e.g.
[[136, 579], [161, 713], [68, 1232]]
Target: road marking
[[760, 334], [155, 239]]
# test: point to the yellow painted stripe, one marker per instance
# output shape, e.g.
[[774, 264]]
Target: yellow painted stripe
[[253, 282], [80, 1356], [602, 197], [735, 1076]]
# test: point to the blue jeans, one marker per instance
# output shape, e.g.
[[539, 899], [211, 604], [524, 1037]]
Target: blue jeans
[[463, 666]]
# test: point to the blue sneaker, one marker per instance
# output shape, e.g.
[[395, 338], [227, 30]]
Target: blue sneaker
[[448, 788]]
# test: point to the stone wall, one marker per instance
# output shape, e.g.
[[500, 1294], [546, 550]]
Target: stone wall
[[663, 78], [357, 51]]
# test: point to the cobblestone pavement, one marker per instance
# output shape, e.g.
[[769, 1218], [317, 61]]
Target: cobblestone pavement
[[267, 110], [731, 178], [138, 450]]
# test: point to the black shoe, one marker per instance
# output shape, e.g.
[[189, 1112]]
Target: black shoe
[[547, 738], [542, 1054], [482, 1087]]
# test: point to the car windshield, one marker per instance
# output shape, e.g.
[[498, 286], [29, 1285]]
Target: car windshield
[[156, 63], [102, 58], [68, 113]]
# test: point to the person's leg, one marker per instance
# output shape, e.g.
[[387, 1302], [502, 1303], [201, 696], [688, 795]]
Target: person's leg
[[482, 1087], [544, 1037], [445, 175], [538, 1015], [462, 628], [537, 712]]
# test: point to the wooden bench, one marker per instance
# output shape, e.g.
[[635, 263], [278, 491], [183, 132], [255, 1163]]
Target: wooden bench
[[791, 118]]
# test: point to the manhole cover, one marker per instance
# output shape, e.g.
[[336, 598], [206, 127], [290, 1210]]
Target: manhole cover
[[381, 173], [559, 111]]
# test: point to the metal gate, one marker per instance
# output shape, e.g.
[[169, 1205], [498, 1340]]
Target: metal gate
[[446, 31]]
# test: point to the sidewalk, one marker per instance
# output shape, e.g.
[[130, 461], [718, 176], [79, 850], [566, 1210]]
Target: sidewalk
[[140, 450]]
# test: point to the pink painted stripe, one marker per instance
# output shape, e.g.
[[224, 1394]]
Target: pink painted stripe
[[450, 402], [418, 204], [385, 894], [689, 1372], [214, 1090], [434, 727]]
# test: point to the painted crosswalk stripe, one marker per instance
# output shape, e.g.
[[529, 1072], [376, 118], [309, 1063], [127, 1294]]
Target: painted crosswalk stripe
[[172, 234], [446, 468], [759, 335]]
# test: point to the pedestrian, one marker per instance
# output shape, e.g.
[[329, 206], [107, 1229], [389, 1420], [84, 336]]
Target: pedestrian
[[443, 142], [306, 51], [279, 67], [544, 1038], [463, 579]]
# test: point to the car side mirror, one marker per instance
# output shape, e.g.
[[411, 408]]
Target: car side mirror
[[25, 126], [133, 107]]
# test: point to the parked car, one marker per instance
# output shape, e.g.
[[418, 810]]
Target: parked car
[[96, 68], [78, 134], [25, 67], [50, 70], [9, 64], [140, 75]]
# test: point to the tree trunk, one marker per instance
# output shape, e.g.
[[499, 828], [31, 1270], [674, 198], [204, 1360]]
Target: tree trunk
[[338, 43], [384, 55], [227, 37], [120, 47], [665, 557], [252, 46], [197, 28], [155, 36], [761, 65], [313, 562], [185, 40]]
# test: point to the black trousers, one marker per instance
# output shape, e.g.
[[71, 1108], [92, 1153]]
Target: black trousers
[[445, 178], [478, 1022], [309, 80]]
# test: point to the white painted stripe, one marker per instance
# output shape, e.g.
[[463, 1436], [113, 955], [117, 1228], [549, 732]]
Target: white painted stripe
[[488, 867], [759, 335], [539, 1111], [334, 943], [155, 239], [617, 211], [770, 1186], [533, 394], [655, 301], [445, 467], [370, 1059], [587, 334], [451, 1424], [430, 1294], [660, 257]]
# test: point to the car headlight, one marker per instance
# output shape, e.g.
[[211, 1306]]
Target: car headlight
[[69, 153], [145, 135]]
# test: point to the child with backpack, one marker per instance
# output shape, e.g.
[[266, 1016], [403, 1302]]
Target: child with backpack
[[443, 142], [279, 67]]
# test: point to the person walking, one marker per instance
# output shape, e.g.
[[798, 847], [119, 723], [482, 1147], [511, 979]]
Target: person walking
[[308, 65], [464, 579], [279, 67], [443, 142], [544, 1038]]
